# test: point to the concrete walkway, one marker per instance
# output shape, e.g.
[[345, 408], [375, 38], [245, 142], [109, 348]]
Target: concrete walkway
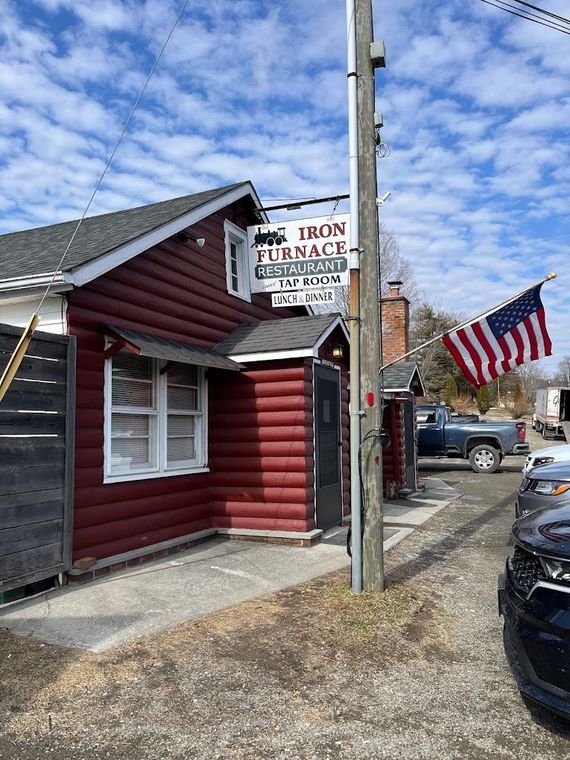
[[189, 585]]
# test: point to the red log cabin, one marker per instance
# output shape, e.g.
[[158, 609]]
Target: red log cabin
[[200, 409]]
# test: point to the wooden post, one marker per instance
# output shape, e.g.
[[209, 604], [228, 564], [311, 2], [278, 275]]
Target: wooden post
[[19, 352], [370, 446]]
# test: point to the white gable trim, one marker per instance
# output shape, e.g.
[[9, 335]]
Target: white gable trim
[[92, 269], [268, 356], [338, 321]]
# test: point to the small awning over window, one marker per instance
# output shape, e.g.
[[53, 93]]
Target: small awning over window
[[171, 350]]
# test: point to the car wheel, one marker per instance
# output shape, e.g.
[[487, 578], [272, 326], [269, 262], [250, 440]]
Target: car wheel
[[484, 458]]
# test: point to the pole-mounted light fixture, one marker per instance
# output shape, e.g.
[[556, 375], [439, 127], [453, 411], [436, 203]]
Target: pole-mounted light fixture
[[382, 200]]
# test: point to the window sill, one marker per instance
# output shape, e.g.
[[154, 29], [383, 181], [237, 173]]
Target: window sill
[[242, 296], [131, 476]]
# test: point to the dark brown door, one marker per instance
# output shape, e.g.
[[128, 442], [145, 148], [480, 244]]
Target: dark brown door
[[328, 447]]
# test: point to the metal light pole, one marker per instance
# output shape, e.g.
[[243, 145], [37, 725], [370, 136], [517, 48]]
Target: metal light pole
[[354, 303]]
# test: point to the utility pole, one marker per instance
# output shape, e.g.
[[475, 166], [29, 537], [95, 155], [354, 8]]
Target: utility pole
[[367, 59]]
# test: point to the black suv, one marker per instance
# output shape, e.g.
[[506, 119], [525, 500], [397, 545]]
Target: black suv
[[534, 599]]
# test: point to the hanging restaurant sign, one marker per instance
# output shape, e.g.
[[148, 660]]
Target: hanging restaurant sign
[[306, 254]]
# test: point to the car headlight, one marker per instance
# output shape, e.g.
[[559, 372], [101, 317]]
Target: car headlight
[[554, 568], [542, 460], [550, 487]]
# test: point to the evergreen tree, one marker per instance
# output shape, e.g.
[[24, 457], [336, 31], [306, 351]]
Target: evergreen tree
[[518, 397], [450, 392], [520, 405], [435, 361], [483, 400]]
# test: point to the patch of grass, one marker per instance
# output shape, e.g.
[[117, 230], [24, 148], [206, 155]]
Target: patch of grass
[[368, 613]]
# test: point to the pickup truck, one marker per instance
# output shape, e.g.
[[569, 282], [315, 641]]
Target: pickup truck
[[484, 444]]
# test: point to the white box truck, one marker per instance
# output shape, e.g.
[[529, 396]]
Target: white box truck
[[551, 409]]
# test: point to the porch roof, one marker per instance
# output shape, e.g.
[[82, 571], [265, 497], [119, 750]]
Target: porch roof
[[280, 338], [171, 350]]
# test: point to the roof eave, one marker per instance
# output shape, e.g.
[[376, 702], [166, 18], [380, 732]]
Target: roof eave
[[15, 288], [84, 273]]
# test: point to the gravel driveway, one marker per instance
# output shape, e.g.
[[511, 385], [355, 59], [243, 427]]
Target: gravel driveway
[[309, 672]]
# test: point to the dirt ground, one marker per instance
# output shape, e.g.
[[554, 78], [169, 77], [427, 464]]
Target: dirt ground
[[309, 672]]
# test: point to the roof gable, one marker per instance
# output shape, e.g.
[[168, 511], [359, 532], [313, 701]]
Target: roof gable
[[403, 377], [273, 338], [105, 241]]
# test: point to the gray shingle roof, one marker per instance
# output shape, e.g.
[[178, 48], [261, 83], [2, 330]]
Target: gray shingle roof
[[275, 335], [39, 250], [173, 350], [400, 376]]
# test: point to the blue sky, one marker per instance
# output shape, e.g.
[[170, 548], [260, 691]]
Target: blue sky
[[476, 107]]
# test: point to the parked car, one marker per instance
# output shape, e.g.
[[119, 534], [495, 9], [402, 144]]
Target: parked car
[[483, 443], [534, 600], [548, 455], [542, 487]]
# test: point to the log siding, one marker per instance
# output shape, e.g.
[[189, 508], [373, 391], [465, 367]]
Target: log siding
[[178, 291], [262, 448]]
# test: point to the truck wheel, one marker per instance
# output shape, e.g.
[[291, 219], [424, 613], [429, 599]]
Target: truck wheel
[[484, 458]]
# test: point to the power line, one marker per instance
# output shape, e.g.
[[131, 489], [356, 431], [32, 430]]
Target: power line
[[530, 17], [541, 10], [123, 131], [503, 6]]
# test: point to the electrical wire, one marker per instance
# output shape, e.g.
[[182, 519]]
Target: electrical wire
[[120, 139], [375, 436], [530, 17], [541, 10]]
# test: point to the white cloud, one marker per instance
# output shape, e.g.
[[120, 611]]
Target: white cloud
[[475, 104]]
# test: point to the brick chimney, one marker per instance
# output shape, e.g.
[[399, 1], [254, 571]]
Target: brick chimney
[[395, 312]]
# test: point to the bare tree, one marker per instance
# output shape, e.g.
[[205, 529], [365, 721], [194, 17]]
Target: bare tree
[[562, 375], [393, 266], [530, 377]]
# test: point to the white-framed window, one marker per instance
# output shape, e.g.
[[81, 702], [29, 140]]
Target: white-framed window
[[237, 264], [155, 418]]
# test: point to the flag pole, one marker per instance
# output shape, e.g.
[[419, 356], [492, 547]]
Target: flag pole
[[548, 277]]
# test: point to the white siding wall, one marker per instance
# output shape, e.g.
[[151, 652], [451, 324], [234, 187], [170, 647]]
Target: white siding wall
[[52, 314]]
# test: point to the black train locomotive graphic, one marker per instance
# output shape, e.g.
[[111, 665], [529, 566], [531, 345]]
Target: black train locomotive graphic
[[270, 238]]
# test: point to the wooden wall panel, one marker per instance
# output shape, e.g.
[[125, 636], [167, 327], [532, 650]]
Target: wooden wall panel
[[36, 453], [262, 461]]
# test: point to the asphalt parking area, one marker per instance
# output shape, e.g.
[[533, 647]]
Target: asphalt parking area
[[310, 671]]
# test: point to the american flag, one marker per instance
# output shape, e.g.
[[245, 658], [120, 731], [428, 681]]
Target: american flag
[[498, 342]]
